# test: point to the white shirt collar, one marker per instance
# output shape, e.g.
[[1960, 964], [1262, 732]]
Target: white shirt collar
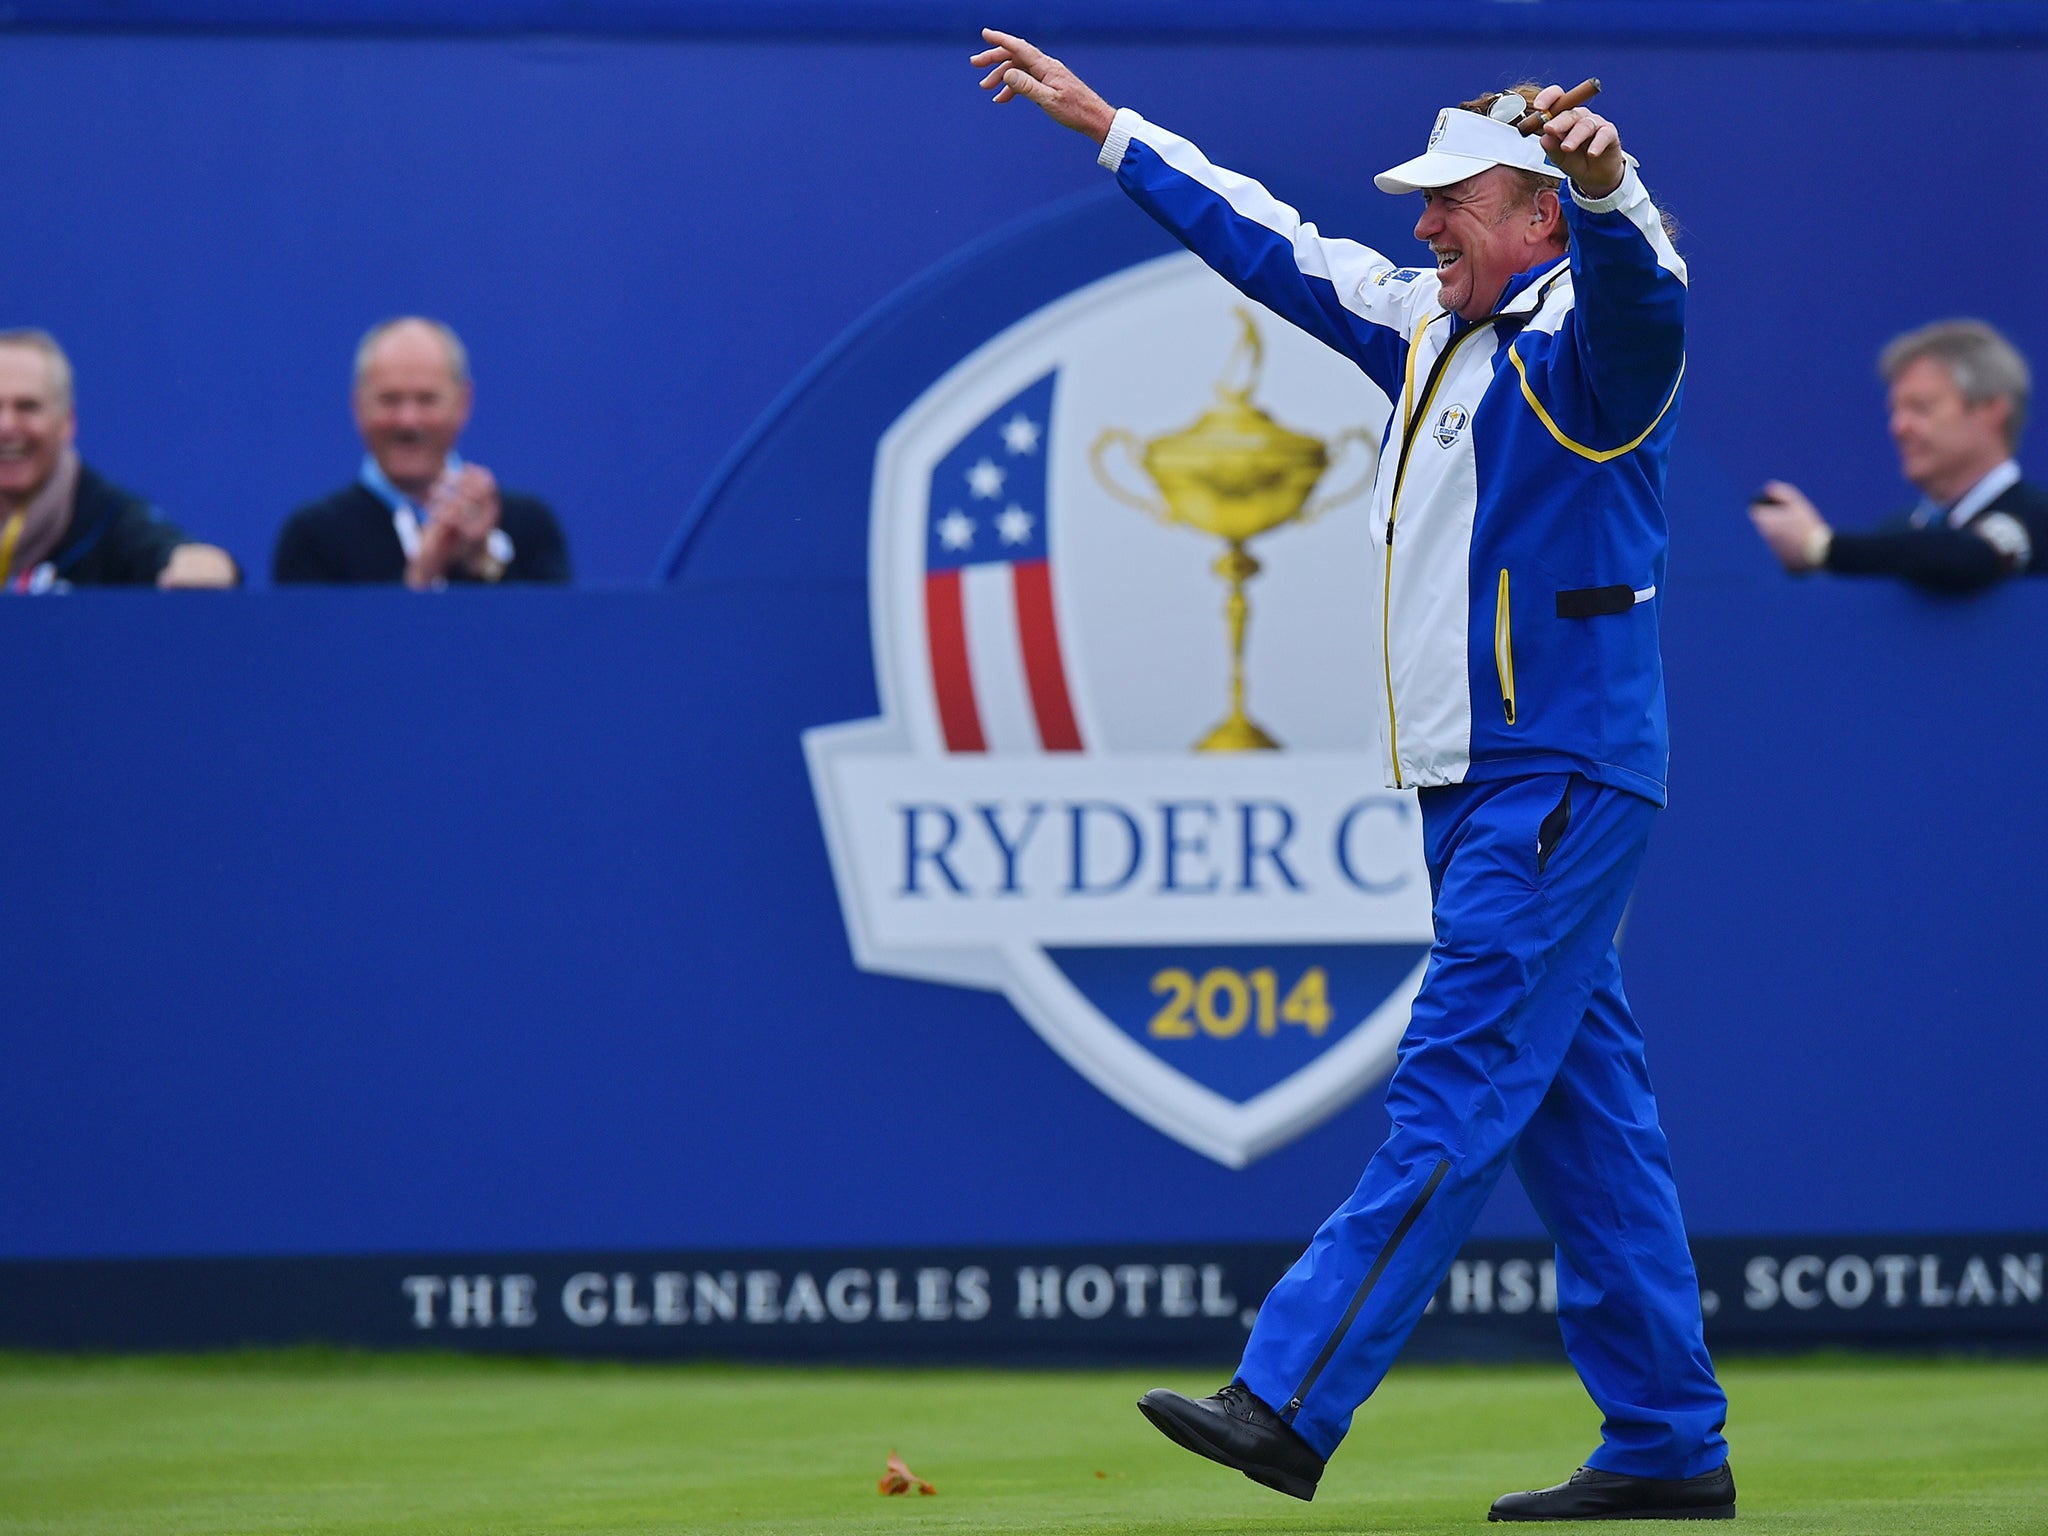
[[1982, 494]]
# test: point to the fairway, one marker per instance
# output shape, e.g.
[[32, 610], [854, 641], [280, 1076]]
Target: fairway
[[312, 1442]]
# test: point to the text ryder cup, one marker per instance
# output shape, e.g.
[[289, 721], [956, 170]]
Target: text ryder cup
[[1192, 846], [934, 1294]]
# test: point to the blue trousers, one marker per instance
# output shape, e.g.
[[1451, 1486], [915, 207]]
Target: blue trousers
[[1521, 1046]]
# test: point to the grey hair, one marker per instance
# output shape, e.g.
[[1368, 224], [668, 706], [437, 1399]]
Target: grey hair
[[458, 354], [1983, 363], [53, 355]]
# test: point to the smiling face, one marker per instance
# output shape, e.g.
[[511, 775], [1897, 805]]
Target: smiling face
[[36, 425], [1482, 231], [1946, 444], [410, 406]]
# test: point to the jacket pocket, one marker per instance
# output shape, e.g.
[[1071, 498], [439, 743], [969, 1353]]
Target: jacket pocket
[[1504, 649], [1553, 829], [1601, 602]]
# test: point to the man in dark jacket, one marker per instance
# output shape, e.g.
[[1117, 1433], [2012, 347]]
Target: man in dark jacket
[[416, 512], [61, 525], [1958, 401]]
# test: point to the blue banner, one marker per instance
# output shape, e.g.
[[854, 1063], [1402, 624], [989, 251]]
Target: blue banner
[[1188, 1303], [552, 937]]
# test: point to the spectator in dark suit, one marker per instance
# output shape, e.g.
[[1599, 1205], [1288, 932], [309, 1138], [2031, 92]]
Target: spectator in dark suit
[[416, 512], [1958, 401], [62, 525]]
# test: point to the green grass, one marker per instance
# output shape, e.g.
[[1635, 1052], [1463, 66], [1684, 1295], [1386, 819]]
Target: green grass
[[313, 1442]]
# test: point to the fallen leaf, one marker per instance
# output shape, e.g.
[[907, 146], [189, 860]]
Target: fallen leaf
[[898, 1478]]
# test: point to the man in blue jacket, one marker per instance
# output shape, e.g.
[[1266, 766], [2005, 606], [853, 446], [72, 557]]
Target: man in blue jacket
[[1519, 523]]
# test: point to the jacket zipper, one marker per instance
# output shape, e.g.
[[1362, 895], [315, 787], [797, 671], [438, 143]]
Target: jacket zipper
[[1408, 430], [1504, 649], [1365, 1287]]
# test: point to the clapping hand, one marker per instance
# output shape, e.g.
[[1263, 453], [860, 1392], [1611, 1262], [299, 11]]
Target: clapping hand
[[462, 511]]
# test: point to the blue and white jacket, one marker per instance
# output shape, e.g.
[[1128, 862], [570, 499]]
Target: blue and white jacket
[[1518, 513]]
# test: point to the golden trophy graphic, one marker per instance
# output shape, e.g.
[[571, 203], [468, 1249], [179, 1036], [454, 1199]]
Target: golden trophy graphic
[[1234, 474]]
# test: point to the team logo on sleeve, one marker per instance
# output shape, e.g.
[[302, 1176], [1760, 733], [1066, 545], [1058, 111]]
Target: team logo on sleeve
[[1125, 768]]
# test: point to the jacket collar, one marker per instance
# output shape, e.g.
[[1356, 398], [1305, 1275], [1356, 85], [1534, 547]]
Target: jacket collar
[[1525, 291], [1978, 497], [373, 479], [1522, 297]]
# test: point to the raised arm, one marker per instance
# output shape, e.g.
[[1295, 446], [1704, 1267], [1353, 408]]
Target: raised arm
[[1993, 546], [1344, 294], [1624, 340]]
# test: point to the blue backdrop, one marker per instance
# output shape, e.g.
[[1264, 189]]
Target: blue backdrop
[[356, 923], [314, 947], [644, 240]]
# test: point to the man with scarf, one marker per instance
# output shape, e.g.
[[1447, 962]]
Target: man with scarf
[[61, 524]]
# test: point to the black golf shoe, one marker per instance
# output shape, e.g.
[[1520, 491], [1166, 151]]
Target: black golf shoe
[[1591, 1495], [1235, 1428]]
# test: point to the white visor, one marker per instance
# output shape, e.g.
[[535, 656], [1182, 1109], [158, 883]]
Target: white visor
[[1463, 144]]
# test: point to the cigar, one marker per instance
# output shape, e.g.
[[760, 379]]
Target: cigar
[[1577, 96]]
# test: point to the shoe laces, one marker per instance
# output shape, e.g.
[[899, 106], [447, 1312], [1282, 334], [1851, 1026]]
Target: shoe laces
[[1238, 1400]]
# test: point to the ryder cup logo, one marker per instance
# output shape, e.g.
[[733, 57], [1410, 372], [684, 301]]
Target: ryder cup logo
[[1122, 596], [1450, 425]]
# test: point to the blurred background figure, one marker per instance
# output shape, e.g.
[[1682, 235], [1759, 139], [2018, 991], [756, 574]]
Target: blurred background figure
[[62, 525], [1959, 395], [416, 512]]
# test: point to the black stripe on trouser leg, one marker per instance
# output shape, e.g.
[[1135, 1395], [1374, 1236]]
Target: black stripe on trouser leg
[[1372, 1278]]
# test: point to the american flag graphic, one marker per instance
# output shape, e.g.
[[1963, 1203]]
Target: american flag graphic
[[997, 667]]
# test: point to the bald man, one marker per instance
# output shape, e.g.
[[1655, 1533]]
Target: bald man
[[416, 512]]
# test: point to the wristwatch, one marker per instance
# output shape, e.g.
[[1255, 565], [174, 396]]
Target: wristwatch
[[494, 557]]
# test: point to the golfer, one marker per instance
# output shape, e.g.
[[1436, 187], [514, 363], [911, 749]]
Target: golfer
[[1518, 522]]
